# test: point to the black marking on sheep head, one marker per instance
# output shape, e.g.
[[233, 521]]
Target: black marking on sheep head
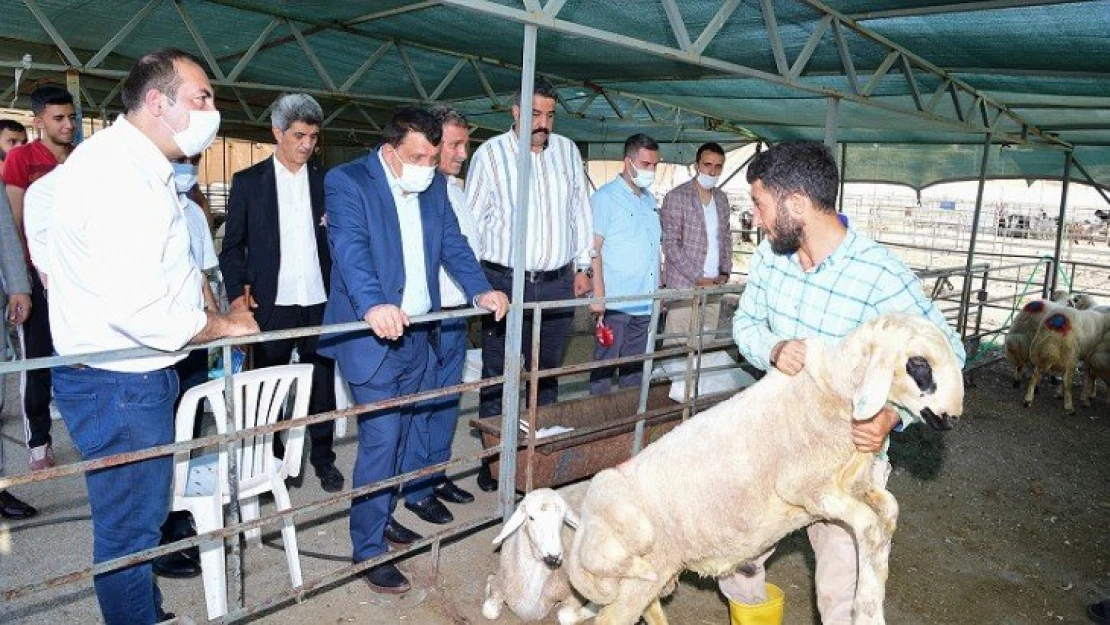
[[922, 374]]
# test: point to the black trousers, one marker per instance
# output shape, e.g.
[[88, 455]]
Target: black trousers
[[36, 342], [279, 352], [554, 334]]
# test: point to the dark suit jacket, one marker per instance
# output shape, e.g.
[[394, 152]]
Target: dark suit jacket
[[368, 261], [251, 251]]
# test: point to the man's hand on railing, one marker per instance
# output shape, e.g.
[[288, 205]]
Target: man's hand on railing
[[494, 301]]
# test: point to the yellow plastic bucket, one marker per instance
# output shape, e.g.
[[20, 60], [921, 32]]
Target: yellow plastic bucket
[[767, 613]]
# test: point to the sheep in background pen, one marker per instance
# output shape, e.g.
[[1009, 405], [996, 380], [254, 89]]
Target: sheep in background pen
[[1083, 301], [1024, 328], [530, 578], [1065, 338], [726, 485]]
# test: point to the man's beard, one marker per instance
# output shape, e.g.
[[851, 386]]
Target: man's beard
[[788, 235]]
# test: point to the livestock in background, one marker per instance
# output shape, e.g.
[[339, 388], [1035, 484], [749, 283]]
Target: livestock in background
[[1024, 329], [726, 485], [1065, 338]]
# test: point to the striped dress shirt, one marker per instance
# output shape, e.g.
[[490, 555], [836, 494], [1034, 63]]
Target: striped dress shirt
[[560, 224]]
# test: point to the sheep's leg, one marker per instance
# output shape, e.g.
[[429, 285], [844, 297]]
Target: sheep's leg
[[634, 600], [491, 607], [572, 611], [1088, 387], [1069, 375], [1033, 382], [654, 614], [872, 553]]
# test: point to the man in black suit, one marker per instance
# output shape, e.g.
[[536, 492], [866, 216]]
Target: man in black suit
[[276, 262]]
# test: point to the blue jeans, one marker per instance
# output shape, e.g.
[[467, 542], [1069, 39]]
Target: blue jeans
[[381, 437], [108, 413], [432, 430]]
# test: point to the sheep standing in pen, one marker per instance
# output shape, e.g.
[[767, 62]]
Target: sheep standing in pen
[[530, 578], [1024, 329], [1065, 338], [1098, 366], [726, 485]]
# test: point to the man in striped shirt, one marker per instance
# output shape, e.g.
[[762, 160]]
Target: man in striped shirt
[[560, 228], [813, 278]]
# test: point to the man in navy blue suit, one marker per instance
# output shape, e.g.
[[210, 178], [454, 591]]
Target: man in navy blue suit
[[391, 206]]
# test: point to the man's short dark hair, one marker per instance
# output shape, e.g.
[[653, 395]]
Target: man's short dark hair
[[12, 125], [448, 115], [540, 88], [805, 167], [638, 142], [47, 95], [154, 70], [712, 146], [412, 119]]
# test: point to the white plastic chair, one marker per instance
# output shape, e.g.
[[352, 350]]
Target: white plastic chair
[[201, 484]]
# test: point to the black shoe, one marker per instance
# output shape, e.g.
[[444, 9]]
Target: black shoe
[[486, 481], [386, 578], [331, 480], [399, 534], [450, 492], [12, 508], [164, 616], [431, 510], [177, 565]]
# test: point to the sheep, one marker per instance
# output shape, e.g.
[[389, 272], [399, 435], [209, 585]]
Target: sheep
[[726, 485], [530, 578], [1097, 367], [1083, 301], [1065, 338], [1024, 328]]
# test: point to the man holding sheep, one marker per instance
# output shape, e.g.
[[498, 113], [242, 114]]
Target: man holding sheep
[[813, 278]]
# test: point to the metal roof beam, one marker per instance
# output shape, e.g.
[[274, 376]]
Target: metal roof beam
[[253, 50], [482, 80], [533, 6], [330, 118], [367, 117], [53, 33], [846, 57], [938, 95], [810, 47], [135, 20], [714, 26], [366, 65], [312, 58], [674, 17], [726, 67], [246, 107], [205, 51], [446, 82], [371, 17], [413, 76], [880, 71], [552, 8], [954, 7], [915, 91], [773, 36]]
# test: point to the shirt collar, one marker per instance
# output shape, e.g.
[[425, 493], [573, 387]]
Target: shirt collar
[[281, 169], [516, 139], [150, 157], [394, 184], [838, 256]]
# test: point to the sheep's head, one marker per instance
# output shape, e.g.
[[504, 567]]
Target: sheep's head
[[541, 513], [1082, 301], [909, 363]]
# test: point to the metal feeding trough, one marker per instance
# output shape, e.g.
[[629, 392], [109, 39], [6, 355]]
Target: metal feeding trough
[[604, 428]]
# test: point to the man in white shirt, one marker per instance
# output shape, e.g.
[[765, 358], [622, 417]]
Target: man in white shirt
[[431, 432], [121, 277], [276, 262], [560, 233]]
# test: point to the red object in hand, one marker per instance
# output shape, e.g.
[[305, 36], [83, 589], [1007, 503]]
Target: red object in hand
[[604, 334]]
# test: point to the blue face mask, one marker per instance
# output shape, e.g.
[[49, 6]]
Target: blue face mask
[[184, 176]]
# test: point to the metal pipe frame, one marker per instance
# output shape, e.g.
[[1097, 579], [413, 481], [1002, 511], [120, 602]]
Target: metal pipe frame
[[1061, 225]]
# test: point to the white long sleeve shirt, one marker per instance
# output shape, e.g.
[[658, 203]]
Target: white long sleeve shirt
[[299, 280], [451, 294], [560, 223], [121, 274], [416, 300]]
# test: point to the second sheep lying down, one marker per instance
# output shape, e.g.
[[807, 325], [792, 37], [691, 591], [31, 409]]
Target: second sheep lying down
[[725, 486]]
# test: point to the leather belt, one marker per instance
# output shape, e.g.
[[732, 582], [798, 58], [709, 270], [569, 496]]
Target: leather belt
[[531, 276]]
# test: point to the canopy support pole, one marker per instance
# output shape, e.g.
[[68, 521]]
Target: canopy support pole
[[965, 296], [1061, 225], [843, 171], [510, 396], [832, 118]]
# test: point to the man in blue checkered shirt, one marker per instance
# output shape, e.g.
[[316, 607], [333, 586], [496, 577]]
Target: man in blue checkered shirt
[[814, 278]]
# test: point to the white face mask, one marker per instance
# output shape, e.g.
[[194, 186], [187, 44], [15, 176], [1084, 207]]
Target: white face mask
[[198, 135], [184, 176], [414, 178], [642, 178], [706, 181]]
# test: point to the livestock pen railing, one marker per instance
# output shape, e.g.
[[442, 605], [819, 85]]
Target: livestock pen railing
[[695, 345]]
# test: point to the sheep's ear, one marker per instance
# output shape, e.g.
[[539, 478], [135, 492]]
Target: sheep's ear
[[871, 394], [571, 519], [512, 524]]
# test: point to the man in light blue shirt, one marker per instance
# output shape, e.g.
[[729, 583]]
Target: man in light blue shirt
[[813, 278], [625, 260]]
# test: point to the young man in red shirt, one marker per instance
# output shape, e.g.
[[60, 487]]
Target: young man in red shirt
[[56, 122]]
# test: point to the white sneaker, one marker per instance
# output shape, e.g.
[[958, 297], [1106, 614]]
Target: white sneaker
[[42, 457]]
